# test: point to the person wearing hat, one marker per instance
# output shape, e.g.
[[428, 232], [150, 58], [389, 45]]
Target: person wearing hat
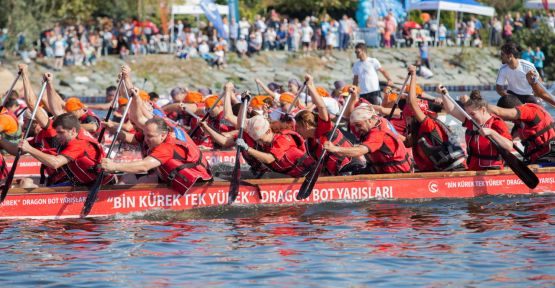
[[316, 129], [383, 150], [110, 95], [215, 120], [283, 152], [434, 148]]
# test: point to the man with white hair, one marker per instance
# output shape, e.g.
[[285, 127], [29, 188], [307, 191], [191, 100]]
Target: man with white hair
[[283, 152], [383, 150]]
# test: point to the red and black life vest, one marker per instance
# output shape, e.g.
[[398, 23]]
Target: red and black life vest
[[395, 159], [255, 165], [84, 170], [187, 166], [482, 154], [333, 163], [536, 135], [296, 162]]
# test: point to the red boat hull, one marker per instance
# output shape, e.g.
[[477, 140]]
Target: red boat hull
[[47, 203]]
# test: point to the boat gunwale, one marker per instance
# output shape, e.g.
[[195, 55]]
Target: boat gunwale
[[257, 182]]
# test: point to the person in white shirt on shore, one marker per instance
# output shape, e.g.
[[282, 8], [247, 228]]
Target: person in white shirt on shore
[[513, 74], [365, 75]]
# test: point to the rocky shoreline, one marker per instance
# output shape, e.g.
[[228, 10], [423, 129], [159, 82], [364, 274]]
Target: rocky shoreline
[[461, 69]]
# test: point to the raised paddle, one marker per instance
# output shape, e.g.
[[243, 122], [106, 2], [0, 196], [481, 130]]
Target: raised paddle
[[5, 97], [93, 192], [310, 180], [296, 98], [192, 132], [11, 174], [236, 175], [518, 167], [109, 114], [398, 98]]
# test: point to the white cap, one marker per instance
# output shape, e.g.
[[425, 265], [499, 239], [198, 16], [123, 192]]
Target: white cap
[[257, 126], [332, 105]]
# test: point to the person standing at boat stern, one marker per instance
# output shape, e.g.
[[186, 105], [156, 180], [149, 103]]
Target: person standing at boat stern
[[513, 74], [365, 75], [383, 150], [482, 154], [283, 152], [179, 163], [79, 154], [433, 147]]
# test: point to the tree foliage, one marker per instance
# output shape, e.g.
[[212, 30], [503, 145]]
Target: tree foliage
[[542, 37]]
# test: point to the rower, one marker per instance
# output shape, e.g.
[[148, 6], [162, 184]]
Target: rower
[[317, 129], [215, 120], [283, 152], [434, 149], [534, 126], [482, 154], [383, 150], [78, 155], [179, 163]]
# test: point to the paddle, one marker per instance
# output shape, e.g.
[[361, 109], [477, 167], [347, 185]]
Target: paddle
[[11, 174], [109, 114], [236, 175], [310, 180], [11, 89], [518, 167], [192, 132], [398, 98], [296, 98], [93, 192]]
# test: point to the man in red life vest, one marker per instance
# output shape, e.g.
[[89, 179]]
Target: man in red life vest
[[384, 152], [179, 163], [79, 153]]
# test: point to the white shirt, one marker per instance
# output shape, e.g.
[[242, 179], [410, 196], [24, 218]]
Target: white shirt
[[367, 74], [516, 79], [306, 33]]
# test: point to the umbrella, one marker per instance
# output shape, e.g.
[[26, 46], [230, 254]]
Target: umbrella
[[411, 25], [425, 17]]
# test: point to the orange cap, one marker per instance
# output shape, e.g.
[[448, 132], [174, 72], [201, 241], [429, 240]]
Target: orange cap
[[193, 97], [287, 97], [122, 101], [73, 104], [419, 90], [144, 95], [210, 100], [259, 101], [345, 90], [322, 92]]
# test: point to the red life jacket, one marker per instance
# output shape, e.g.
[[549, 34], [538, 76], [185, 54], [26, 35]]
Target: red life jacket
[[216, 123], [296, 162], [437, 150], [84, 170], [395, 159], [185, 168], [254, 164], [333, 163], [91, 113], [51, 176], [482, 154], [536, 135]]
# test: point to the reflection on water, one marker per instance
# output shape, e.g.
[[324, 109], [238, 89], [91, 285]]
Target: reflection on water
[[486, 241]]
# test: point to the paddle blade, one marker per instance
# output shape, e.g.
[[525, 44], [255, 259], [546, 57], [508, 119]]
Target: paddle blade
[[9, 178], [520, 169], [310, 180], [235, 179], [91, 197]]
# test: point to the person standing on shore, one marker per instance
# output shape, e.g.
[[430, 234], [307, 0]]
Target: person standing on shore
[[538, 58], [513, 74], [366, 77]]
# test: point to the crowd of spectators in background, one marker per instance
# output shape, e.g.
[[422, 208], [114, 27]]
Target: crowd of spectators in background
[[84, 44]]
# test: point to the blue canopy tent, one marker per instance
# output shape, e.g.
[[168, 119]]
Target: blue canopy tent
[[468, 6]]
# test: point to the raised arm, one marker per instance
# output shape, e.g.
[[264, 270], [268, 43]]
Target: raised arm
[[413, 102], [31, 98], [228, 110], [265, 88], [451, 107], [317, 99], [351, 104], [539, 90], [55, 104]]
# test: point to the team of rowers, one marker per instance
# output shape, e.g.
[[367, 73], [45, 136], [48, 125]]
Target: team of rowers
[[284, 134]]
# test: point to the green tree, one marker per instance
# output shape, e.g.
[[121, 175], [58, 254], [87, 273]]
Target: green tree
[[542, 37]]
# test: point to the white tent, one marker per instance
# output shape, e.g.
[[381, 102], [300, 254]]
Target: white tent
[[468, 6], [538, 4], [192, 7]]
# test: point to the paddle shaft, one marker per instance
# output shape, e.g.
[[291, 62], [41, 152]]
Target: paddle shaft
[[11, 89], [91, 196], [11, 174], [296, 98], [109, 114], [398, 98], [207, 114], [310, 181], [236, 175]]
